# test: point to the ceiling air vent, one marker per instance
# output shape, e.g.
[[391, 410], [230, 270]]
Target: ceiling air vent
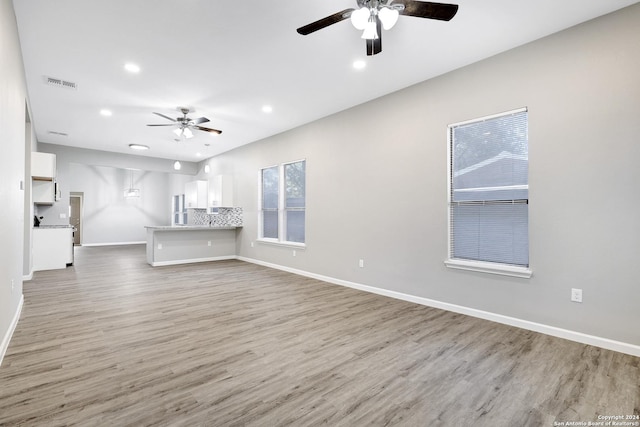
[[53, 132], [52, 81]]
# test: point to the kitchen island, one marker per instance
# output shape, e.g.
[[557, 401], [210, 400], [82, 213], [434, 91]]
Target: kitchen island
[[182, 244]]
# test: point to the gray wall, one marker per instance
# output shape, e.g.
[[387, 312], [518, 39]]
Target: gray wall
[[108, 217], [377, 183], [13, 100]]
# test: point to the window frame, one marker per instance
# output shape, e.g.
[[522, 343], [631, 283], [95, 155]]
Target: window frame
[[179, 210], [282, 208], [477, 265]]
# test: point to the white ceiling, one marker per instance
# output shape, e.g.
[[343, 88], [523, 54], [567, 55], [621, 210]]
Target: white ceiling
[[227, 59]]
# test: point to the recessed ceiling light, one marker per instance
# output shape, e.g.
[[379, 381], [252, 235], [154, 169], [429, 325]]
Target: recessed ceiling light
[[198, 155], [267, 109], [106, 113], [359, 64], [138, 147], [132, 68]]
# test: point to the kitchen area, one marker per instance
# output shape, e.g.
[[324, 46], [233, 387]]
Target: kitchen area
[[204, 225], [53, 246], [181, 217]]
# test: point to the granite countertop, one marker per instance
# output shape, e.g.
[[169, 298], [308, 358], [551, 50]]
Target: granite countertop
[[189, 227]]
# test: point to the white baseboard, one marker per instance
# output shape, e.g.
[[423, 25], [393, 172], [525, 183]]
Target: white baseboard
[[27, 277], [605, 343], [192, 260], [114, 244], [4, 345]]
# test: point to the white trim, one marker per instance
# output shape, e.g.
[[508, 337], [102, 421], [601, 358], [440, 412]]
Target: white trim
[[492, 116], [27, 277], [275, 242], [115, 243], [12, 327], [580, 337], [489, 267], [192, 260], [505, 187]]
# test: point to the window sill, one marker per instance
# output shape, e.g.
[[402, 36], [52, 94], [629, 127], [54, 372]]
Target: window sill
[[491, 268], [275, 242]]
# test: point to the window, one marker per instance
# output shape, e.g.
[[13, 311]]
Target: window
[[489, 194], [282, 200], [179, 210]]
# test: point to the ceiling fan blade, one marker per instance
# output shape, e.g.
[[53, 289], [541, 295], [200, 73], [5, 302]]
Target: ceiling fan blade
[[200, 120], [166, 117], [375, 46], [324, 22], [208, 129], [424, 9], [168, 124]]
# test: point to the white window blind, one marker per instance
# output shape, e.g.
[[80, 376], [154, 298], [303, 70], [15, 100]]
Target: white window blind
[[489, 189]]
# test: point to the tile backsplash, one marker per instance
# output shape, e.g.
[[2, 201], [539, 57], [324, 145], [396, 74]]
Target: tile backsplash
[[226, 217]]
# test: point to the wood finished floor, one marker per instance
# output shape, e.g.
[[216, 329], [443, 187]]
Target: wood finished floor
[[112, 341]]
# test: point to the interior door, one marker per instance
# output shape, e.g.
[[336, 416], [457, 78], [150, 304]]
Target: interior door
[[75, 216]]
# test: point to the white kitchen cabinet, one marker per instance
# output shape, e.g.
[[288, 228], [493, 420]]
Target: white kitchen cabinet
[[195, 193], [43, 166], [52, 247], [43, 178], [221, 192], [43, 192]]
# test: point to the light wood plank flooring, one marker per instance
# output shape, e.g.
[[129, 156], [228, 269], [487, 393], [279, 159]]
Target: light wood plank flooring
[[114, 342]]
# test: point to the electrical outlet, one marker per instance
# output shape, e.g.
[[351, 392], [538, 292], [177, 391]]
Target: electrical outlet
[[576, 295], [252, 244], [294, 252], [209, 243], [159, 245], [361, 263], [12, 285]]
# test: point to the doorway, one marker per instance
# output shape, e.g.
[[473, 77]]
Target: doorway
[[75, 216]]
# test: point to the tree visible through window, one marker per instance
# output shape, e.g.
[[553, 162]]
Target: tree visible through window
[[489, 189], [295, 188]]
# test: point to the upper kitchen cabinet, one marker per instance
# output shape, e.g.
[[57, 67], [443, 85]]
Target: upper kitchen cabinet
[[195, 194], [43, 166], [221, 192], [43, 178]]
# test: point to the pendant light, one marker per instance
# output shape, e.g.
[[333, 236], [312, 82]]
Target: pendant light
[[131, 192]]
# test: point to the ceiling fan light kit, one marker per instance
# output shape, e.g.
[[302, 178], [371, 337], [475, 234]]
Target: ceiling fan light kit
[[388, 16], [370, 30], [372, 16], [183, 132]]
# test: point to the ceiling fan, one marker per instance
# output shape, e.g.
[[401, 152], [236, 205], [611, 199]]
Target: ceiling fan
[[186, 124], [373, 15]]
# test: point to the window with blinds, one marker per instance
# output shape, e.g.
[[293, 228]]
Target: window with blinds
[[270, 200], [489, 190]]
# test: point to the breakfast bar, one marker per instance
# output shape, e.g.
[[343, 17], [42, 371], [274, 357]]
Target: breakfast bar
[[183, 244]]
